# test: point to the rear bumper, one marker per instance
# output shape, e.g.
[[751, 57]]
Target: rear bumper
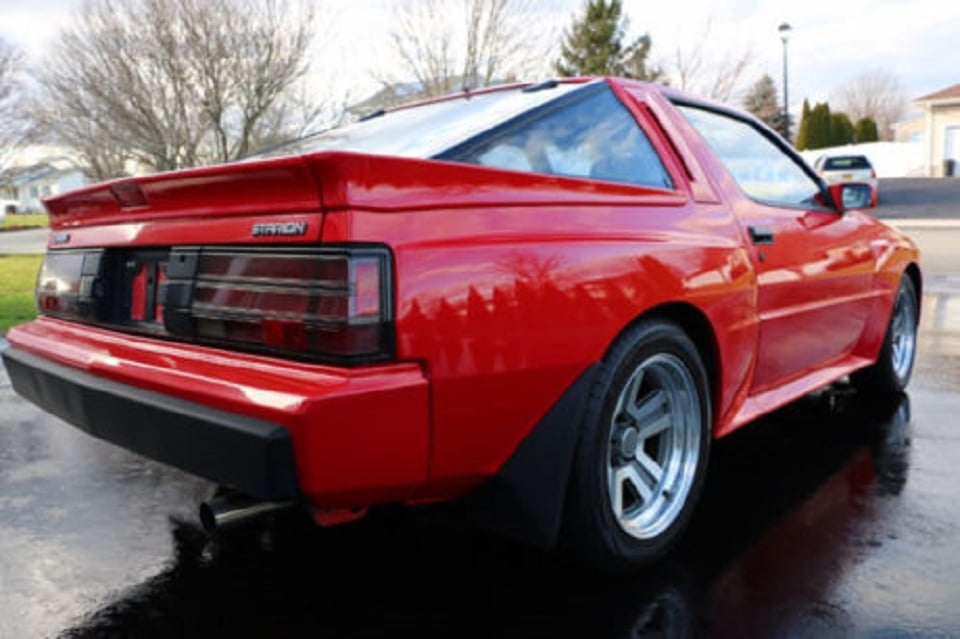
[[251, 455], [275, 429]]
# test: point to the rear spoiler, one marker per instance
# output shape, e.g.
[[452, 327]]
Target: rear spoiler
[[285, 185]]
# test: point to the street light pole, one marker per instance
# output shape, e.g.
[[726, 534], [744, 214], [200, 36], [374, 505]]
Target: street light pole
[[785, 30]]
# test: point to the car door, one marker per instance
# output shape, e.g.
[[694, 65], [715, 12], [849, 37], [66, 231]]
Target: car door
[[814, 266]]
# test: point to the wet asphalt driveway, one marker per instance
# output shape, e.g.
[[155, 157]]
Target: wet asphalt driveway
[[828, 518]]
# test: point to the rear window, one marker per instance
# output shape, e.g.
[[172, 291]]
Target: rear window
[[846, 163], [587, 134], [426, 130]]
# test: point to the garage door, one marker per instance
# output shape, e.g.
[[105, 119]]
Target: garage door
[[951, 143]]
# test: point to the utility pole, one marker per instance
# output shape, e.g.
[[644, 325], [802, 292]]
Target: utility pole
[[785, 30]]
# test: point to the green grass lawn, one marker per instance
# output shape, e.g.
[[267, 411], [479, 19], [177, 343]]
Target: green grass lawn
[[18, 276], [25, 219]]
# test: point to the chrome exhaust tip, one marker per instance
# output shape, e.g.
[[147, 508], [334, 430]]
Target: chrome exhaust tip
[[230, 509]]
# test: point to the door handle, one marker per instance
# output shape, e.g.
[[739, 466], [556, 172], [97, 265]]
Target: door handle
[[760, 235]]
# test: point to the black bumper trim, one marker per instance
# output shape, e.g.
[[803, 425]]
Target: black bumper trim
[[247, 454]]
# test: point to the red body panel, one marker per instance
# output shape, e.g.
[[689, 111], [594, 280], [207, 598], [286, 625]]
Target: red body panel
[[359, 436], [509, 305], [275, 186], [508, 286]]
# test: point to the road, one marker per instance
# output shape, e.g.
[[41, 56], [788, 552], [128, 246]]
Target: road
[[932, 201], [928, 198], [932, 224], [22, 242], [828, 518]]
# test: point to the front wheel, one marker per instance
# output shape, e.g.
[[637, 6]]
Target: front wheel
[[642, 454], [890, 374]]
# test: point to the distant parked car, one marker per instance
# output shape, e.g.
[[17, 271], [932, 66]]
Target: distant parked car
[[847, 169]]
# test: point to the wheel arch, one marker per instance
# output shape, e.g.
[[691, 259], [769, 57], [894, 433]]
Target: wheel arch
[[913, 272], [526, 499], [697, 326]]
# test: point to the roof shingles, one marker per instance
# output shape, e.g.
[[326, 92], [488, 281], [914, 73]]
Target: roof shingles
[[950, 93]]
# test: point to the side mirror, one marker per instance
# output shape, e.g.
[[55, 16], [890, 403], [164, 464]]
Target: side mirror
[[852, 196]]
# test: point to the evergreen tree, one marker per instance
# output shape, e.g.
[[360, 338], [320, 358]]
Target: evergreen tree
[[761, 100], [803, 132], [841, 129], [593, 45], [818, 127], [865, 130], [634, 62]]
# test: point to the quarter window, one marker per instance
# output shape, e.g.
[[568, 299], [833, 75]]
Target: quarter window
[[761, 168], [593, 136]]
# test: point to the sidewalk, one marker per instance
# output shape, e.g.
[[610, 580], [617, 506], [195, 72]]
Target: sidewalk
[[31, 241], [922, 223]]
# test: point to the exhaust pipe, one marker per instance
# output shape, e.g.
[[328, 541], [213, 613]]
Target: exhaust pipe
[[229, 509]]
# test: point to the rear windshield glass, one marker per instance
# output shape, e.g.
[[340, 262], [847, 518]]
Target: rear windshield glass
[[588, 134], [427, 130], [846, 162]]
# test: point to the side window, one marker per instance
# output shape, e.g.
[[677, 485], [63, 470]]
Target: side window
[[759, 166], [593, 137]]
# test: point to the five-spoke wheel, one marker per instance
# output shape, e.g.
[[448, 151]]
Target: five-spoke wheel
[[891, 372], [654, 446], [642, 453]]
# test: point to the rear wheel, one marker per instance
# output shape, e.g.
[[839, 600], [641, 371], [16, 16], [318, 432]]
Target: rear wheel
[[642, 454], [891, 372]]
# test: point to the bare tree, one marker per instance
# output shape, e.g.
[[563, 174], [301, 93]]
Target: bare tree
[[175, 83], [482, 42], [422, 40], [14, 125], [713, 74], [494, 38], [876, 95]]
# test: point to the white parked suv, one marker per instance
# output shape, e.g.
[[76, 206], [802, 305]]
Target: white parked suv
[[844, 169]]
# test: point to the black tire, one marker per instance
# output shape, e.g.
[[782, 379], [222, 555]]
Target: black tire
[[890, 374], [673, 388]]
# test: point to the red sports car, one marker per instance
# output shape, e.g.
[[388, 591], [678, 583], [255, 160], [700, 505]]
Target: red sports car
[[542, 301]]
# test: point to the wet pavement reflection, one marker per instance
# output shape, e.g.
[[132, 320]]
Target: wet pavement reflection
[[832, 517]]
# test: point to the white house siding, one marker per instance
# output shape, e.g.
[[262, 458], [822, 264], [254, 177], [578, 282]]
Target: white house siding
[[30, 189]]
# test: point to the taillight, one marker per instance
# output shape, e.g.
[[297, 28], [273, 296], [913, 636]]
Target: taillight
[[68, 284], [328, 303]]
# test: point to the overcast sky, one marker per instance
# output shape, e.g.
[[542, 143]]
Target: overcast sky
[[831, 42]]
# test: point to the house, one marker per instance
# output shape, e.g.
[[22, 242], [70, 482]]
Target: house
[[938, 128], [27, 185]]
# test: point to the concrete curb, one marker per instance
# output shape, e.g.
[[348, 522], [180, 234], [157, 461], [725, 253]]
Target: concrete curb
[[922, 223]]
